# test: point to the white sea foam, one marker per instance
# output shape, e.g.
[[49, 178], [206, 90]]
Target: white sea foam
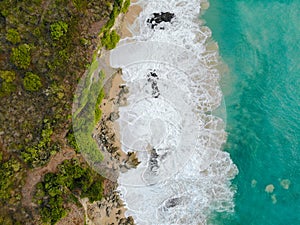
[[173, 82]]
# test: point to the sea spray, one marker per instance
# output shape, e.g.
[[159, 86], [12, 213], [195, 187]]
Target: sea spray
[[174, 87]]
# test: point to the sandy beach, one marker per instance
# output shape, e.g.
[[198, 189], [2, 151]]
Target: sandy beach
[[125, 24]]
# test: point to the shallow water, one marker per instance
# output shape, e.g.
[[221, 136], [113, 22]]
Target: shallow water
[[259, 41]]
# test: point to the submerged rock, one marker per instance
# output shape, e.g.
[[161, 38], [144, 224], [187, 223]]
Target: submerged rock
[[152, 79], [172, 202]]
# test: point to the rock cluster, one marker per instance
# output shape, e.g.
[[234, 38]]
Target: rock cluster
[[108, 211], [157, 18]]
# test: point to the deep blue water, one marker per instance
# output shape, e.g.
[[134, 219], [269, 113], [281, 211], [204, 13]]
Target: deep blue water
[[260, 43]]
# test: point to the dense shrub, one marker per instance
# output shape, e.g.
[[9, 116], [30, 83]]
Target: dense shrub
[[72, 141], [13, 36], [21, 56], [8, 76], [110, 39], [32, 82], [53, 192], [6, 88], [125, 6], [39, 154], [9, 173], [58, 30], [80, 4]]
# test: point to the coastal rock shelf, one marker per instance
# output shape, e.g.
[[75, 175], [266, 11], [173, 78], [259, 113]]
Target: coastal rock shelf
[[173, 85]]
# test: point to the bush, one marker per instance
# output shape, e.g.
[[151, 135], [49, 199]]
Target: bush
[[32, 82], [110, 40], [125, 6], [21, 56], [72, 141], [39, 154], [13, 36], [9, 179], [58, 30], [80, 4], [8, 76], [6, 88], [53, 192]]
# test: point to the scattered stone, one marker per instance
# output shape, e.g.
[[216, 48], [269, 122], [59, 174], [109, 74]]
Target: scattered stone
[[269, 188], [253, 183], [108, 210], [285, 183], [153, 78], [274, 199], [114, 116]]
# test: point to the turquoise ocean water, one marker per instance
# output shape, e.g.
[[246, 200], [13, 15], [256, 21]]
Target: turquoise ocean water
[[259, 40]]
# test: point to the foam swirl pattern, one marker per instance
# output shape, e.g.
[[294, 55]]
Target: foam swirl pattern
[[173, 88]]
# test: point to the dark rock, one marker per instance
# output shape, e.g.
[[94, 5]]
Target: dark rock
[[153, 78], [157, 18], [170, 203], [113, 116]]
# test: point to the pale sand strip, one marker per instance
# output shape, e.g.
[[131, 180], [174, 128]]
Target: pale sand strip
[[125, 23]]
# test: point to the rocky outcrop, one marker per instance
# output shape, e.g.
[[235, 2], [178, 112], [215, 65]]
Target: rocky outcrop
[[157, 18]]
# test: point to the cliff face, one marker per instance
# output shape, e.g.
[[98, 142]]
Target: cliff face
[[45, 47]]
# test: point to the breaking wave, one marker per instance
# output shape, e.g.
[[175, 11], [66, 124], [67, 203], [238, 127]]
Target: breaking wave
[[173, 84]]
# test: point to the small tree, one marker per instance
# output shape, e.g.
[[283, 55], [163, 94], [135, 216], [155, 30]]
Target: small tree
[[21, 56], [32, 82], [58, 30], [13, 36], [110, 40]]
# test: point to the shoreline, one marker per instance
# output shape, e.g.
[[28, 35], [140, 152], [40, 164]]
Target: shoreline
[[208, 98], [111, 210]]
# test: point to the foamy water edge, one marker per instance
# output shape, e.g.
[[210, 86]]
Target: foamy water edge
[[202, 183]]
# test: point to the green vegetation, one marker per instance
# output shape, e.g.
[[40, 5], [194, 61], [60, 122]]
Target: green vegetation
[[88, 114], [39, 154], [98, 111], [125, 6], [45, 46], [11, 173], [58, 29], [72, 141], [7, 86], [110, 39], [8, 170], [54, 191], [80, 4], [7, 76], [21, 56], [32, 82], [13, 36]]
